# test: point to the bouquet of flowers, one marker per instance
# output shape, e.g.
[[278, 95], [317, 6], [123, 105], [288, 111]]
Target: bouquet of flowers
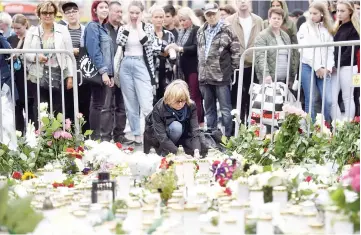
[[347, 196]]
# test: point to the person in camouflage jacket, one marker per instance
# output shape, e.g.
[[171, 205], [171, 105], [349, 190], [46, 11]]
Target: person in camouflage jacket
[[218, 56]]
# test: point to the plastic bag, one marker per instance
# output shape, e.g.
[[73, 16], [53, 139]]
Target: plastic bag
[[8, 130]]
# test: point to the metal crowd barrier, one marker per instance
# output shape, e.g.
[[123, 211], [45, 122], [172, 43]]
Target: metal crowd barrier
[[18, 52], [289, 48]]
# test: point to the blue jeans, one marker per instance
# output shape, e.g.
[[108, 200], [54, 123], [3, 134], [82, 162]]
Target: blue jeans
[[210, 95], [175, 131], [317, 84], [137, 90]]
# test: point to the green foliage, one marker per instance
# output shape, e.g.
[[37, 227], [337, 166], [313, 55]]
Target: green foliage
[[345, 144], [17, 215], [119, 204], [69, 166], [23, 159], [164, 181], [350, 209]]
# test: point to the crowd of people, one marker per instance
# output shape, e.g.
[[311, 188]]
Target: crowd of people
[[138, 54]]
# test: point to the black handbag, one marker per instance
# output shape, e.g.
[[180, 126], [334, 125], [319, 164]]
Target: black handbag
[[90, 74], [54, 73], [55, 78]]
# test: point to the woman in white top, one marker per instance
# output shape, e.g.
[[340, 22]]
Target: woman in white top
[[137, 68], [317, 30]]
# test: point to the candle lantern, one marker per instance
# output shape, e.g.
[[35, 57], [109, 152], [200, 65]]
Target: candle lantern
[[103, 190]]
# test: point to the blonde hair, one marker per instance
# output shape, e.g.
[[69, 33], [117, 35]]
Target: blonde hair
[[156, 8], [189, 13], [354, 17], [20, 19], [45, 6], [327, 21], [5, 18], [175, 91]]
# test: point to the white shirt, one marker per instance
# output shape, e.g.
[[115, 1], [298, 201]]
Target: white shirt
[[133, 46], [246, 24]]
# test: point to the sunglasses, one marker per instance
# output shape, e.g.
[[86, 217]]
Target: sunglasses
[[45, 13]]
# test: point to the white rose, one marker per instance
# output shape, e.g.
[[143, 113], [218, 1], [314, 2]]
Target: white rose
[[18, 134], [20, 191], [23, 157], [350, 196], [43, 106]]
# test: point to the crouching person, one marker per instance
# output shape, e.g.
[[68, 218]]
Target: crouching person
[[173, 122]]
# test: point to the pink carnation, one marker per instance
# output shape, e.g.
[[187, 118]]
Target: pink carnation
[[66, 135], [80, 115], [49, 143], [67, 124], [355, 183], [57, 134], [354, 171]]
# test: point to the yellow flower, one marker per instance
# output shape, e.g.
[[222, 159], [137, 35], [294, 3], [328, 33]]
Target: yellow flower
[[28, 175]]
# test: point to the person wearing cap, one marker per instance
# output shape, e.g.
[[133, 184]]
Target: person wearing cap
[[218, 55], [246, 26], [72, 17]]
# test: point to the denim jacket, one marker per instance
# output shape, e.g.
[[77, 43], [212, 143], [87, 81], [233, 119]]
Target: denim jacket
[[100, 48]]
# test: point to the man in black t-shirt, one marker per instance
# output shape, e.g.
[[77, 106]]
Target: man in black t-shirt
[[169, 24]]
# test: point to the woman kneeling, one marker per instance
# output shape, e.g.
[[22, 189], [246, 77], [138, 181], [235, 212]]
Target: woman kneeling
[[173, 122]]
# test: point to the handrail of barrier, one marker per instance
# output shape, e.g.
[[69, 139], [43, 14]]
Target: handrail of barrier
[[267, 48], [75, 79]]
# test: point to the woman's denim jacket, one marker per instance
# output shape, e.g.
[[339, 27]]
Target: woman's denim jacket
[[99, 46]]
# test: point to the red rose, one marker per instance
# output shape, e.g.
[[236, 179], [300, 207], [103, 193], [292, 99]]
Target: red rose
[[228, 191], [71, 185], [55, 185], [356, 119], [119, 145], [256, 132], [80, 149], [197, 167], [308, 179], [215, 163], [16, 175], [222, 182], [131, 149], [300, 130]]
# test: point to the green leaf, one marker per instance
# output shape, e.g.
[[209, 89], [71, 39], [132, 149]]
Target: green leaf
[[267, 168], [55, 125], [3, 202], [224, 139], [45, 120], [89, 132], [59, 117]]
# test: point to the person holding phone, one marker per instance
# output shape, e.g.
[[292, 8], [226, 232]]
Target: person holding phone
[[137, 77]]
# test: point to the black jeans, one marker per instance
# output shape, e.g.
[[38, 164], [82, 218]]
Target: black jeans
[[113, 116], [84, 94], [96, 106], [247, 77]]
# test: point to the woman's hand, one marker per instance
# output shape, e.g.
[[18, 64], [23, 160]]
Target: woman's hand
[[267, 80], [69, 83], [172, 45], [43, 59], [321, 73], [106, 79], [76, 51]]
